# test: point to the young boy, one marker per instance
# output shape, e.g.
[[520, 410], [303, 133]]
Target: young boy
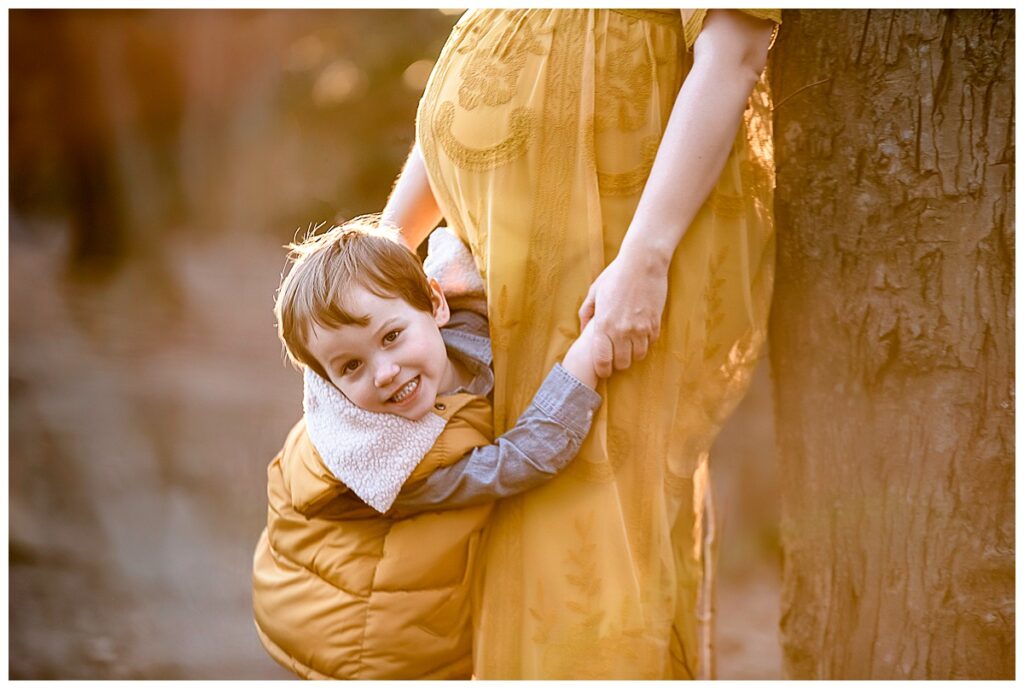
[[378, 499]]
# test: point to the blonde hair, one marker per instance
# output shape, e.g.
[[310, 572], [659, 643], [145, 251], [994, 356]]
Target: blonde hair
[[324, 268]]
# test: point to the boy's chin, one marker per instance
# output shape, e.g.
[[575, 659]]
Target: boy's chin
[[417, 414]]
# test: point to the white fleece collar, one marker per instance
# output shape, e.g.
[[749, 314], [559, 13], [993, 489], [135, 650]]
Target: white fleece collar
[[371, 453], [451, 264]]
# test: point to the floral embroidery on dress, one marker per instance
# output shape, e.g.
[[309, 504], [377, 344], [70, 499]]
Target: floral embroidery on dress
[[632, 182], [491, 78], [521, 132], [713, 299], [623, 94]]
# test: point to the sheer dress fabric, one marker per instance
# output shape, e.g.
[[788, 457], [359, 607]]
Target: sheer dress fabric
[[538, 129]]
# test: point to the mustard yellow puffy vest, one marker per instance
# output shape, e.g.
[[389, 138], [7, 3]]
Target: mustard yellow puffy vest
[[340, 591]]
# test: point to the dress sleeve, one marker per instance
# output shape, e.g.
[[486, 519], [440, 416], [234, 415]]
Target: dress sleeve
[[693, 22]]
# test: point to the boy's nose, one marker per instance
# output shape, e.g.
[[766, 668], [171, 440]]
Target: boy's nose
[[385, 374]]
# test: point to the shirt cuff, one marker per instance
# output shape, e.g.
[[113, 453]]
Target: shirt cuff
[[567, 401]]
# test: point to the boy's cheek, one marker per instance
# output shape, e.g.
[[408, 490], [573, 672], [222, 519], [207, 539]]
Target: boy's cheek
[[352, 395]]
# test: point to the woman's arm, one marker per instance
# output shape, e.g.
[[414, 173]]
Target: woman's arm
[[627, 299], [412, 206]]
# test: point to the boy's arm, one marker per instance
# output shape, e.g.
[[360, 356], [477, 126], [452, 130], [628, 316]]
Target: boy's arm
[[544, 440]]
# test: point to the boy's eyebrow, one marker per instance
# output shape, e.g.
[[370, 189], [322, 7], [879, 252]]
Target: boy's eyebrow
[[387, 324]]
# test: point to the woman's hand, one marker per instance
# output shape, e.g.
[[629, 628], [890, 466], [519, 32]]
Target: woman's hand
[[626, 302]]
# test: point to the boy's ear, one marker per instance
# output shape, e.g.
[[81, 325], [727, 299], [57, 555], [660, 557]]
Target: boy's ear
[[441, 311]]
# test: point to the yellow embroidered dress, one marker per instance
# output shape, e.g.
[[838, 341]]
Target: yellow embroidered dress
[[538, 128]]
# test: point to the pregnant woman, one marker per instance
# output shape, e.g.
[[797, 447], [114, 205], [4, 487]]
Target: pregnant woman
[[613, 165]]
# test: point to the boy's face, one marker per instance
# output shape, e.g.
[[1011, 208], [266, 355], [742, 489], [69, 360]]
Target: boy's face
[[397, 363]]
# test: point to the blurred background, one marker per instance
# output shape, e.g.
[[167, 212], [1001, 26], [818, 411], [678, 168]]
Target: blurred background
[[159, 160]]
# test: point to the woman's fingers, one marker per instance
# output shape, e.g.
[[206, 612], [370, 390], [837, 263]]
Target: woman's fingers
[[618, 351], [623, 349], [603, 354], [640, 345], [587, 309]]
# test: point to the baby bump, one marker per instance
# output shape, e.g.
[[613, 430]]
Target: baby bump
[[529, 113], [478, 122]]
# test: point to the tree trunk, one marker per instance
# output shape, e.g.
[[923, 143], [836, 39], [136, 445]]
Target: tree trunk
[[892, 342]]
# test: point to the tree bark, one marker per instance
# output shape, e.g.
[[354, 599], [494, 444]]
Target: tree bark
[[892, 342]]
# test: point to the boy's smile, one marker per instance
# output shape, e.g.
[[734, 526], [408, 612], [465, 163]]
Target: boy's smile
[[396, 363]]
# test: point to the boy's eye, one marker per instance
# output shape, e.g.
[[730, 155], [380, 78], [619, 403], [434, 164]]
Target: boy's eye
[[350, 366], [391, 336]]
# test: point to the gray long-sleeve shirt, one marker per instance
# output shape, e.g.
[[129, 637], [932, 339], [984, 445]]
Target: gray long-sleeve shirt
[[543, 441]]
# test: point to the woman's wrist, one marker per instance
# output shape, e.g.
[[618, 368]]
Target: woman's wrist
[[651, 258]]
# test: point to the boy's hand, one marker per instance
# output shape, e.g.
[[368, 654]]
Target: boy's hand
[[579, 360]]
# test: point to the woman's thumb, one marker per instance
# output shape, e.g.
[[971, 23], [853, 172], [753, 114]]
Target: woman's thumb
[[587, 310]]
